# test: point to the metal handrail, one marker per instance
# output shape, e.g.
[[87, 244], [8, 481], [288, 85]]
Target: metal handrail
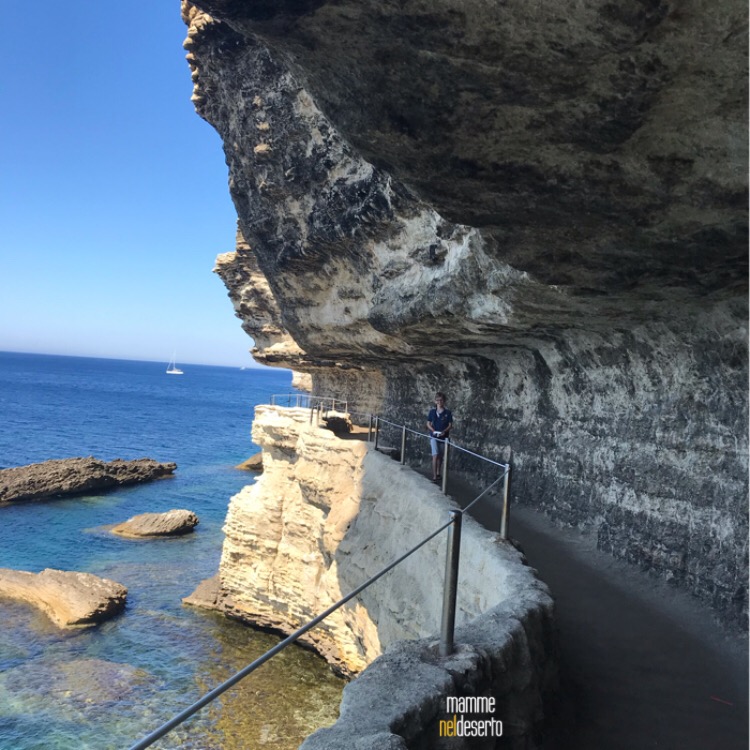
[[224, 686], [300, 397], [505, 474], [304, 400], [454, 446], [446, 645], [376, 420]]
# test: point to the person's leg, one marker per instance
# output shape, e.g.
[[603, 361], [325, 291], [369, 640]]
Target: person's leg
[[435, 448]]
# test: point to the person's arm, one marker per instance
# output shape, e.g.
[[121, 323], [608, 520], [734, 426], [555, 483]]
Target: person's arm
[[430, 426]]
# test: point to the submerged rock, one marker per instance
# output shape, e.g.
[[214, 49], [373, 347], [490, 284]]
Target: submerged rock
[[73, 476], [73, 690], [68, 598], [172, 523]]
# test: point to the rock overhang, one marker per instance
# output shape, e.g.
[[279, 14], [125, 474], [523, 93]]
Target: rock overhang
[[601, 148], [557, 240]]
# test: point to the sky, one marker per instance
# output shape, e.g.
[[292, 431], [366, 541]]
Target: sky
[[113, 192]]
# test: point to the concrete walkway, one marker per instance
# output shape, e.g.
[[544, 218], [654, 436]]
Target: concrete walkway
[[642, 664]]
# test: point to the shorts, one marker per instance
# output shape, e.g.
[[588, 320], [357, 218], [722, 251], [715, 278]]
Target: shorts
[[436, 446]]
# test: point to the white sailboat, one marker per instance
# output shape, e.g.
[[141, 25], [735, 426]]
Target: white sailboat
[[172, 369]]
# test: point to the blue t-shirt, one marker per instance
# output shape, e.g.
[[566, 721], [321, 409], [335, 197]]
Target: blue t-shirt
[[440, 422]]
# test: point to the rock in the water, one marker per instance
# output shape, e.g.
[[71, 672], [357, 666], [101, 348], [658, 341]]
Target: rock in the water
[[73, 476], [254, 463], [206, 595], [172, 523], [68, 598]]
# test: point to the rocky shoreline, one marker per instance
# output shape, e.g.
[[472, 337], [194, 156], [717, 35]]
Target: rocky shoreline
[[74, 476]]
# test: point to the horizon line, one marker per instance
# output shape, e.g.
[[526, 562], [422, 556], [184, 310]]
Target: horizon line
[[252, 366]]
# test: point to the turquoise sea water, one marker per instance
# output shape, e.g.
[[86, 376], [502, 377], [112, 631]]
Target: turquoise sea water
[[109, 686]]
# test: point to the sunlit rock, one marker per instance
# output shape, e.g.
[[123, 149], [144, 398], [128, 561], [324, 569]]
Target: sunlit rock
[[68, 598], [175, 522]]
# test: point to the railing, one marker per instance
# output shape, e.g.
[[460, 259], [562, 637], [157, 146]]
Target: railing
[[449, 446], [306, 401], [321, 406], [450, 585]]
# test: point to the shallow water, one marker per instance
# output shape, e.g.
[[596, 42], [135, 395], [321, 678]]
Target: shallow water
[[109, 686]]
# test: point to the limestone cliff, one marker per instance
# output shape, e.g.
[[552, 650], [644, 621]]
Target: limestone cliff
[[329, 513], [540, 209]]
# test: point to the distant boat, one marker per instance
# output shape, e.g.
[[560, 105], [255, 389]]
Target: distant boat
[[172, 369]]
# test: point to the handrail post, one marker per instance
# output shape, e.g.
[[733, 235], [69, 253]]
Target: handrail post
[[450, 585], [377, 430], [369, 431], [506, 504], [446, 443], [312, 411], [403, 445]]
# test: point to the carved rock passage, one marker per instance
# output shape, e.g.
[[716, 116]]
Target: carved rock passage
[[540, 210]]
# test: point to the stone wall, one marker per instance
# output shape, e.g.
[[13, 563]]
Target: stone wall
[[325, 516], [623, 435]]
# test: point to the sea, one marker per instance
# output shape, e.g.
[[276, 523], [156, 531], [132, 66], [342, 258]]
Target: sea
[[111, 685]]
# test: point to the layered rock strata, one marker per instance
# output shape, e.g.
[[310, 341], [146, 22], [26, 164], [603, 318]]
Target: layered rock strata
[[327, 514], [175, 522], [74, 476], [540, 211], [68, 598]]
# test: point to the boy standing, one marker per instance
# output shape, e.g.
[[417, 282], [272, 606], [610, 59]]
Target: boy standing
[[439, 423]]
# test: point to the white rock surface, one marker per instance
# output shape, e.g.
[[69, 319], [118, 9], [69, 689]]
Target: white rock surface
[[329, 513]]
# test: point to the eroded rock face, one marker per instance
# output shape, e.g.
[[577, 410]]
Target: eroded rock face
[[73, 476], [539, 211], [68, 598], [175, 522]]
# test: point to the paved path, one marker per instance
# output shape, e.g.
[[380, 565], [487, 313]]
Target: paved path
[[642, 665]]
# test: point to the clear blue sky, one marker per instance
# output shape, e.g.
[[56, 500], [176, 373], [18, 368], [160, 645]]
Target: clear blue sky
[[113, 192]]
